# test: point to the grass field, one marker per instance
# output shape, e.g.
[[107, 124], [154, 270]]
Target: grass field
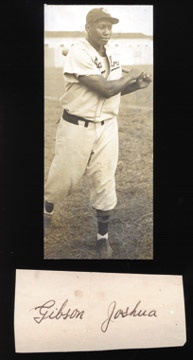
[[72, 234]]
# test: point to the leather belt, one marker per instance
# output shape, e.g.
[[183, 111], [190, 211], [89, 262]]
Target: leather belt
[[73, 119]]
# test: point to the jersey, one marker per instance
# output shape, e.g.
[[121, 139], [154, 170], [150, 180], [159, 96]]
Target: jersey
[[78, 99]]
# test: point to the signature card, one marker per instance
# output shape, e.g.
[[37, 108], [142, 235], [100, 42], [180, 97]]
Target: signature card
[[58, 311]]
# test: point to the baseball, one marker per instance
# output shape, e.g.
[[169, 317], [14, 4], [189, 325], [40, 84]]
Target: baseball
[[65, 50]]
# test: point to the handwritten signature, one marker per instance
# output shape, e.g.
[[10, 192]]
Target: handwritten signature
[[113, 313], [49, 311]]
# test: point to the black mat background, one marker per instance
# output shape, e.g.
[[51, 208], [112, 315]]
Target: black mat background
[[21, 159]]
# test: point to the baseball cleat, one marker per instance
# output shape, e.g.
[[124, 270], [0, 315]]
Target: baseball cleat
[[48, 212], [47, 220], [104, 249]]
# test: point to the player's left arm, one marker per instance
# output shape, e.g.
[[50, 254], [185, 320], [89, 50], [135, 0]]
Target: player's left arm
[[142, 81]]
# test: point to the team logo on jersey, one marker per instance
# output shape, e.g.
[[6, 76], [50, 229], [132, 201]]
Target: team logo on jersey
[[114, 63], [97, 63]]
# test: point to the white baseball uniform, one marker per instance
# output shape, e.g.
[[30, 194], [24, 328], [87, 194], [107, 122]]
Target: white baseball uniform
[[89, 148]]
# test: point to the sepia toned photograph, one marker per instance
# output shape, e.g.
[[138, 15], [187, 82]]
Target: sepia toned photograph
[[96, 203], [98, 132]]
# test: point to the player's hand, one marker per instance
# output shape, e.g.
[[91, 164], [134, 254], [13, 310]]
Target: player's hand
[[143, 80]]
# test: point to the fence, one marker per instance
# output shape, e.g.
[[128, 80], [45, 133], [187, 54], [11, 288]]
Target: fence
[[131, 52]]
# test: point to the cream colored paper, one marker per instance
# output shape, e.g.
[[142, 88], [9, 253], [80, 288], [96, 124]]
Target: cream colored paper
[[82, 311]]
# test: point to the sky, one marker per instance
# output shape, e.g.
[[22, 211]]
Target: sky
[[132, 18]]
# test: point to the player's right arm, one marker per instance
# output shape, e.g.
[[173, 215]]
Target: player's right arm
[[80, 67], [106, 88]]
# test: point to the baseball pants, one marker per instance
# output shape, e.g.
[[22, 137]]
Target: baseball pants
[[80, 150]]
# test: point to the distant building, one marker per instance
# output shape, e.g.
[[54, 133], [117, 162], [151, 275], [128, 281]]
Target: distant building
[[133, 48]]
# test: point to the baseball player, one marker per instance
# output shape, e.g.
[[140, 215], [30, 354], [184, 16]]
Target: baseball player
[[87, 134]]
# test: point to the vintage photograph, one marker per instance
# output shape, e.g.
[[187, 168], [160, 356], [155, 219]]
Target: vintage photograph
[[98, 132]]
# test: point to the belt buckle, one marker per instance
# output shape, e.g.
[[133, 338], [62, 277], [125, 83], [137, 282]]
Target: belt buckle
[[81, 123]]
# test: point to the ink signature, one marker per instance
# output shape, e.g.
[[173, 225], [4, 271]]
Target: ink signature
[[114, 313], [49, 310]]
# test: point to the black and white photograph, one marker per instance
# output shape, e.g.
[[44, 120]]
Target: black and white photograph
[[98, 132]]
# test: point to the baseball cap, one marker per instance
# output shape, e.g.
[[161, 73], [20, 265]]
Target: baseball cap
[[99, 14]]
